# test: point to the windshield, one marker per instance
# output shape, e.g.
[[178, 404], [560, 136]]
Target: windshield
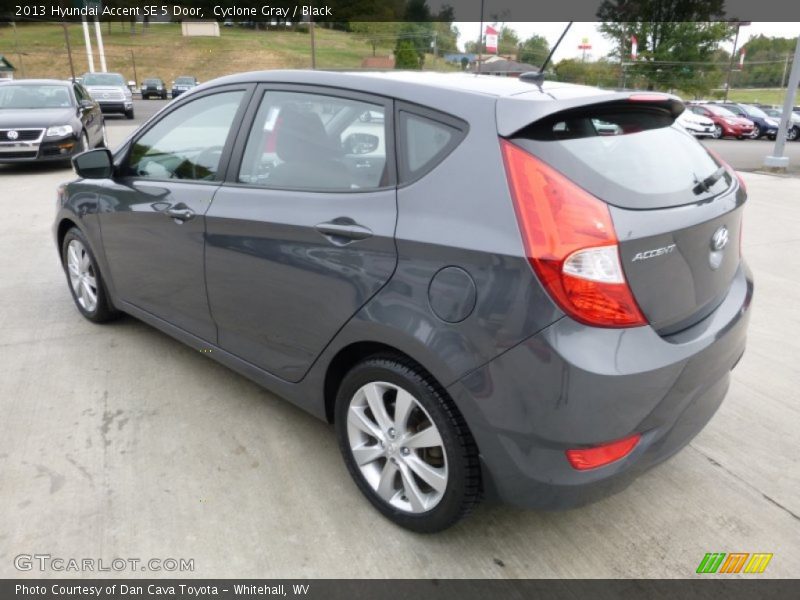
[[718, 110], [185, 80], [113, 79], [34, 96], [155, 81]]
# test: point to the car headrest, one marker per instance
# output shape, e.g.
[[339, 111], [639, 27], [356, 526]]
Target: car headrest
[[301, 136]]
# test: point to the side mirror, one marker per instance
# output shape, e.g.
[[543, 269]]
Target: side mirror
[[86, 104], [94, 164], [360, 143]]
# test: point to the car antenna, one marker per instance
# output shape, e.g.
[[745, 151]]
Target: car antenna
[[538, 78]]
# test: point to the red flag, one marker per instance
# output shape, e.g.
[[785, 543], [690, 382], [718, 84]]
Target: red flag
[[491, 39], [634, 47]]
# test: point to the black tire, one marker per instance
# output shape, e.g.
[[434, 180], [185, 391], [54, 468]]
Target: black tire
[[463, 490], [129, 114], [104, 311], [756, 133], [793, 134], [718, 133]]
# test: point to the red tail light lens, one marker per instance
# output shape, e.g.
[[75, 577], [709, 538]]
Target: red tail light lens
[[584, 459], [570, 242]]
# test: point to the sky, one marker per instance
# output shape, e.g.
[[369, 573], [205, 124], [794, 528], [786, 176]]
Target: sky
[[600, 45]]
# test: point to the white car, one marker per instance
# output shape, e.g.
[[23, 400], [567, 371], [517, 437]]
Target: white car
[[697, 125]]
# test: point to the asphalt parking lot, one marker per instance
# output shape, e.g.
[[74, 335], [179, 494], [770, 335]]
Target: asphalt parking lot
[[118, 441]]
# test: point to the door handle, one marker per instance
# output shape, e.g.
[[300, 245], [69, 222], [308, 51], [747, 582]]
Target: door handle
[[181, 214], [343, 230]]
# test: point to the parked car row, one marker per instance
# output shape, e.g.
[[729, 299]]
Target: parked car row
[[737, 120], [155, 87]]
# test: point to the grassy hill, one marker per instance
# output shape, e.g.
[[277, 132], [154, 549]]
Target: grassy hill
[[39, 50]]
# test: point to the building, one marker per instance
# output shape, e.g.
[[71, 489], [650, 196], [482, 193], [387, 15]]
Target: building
[[502, 67], [378, 62], [6, 69]]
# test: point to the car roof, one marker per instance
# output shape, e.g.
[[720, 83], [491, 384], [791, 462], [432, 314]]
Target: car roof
[[389, 82]]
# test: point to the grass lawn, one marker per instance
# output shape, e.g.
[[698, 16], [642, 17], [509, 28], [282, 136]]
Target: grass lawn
[[39, 50], [760, 96]]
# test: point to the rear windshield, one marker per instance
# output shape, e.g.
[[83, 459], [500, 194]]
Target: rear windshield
[[632, 158], [184, 80], [156, 81]]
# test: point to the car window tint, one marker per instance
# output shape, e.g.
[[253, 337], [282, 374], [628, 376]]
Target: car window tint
[[188, 142], [316, 142]]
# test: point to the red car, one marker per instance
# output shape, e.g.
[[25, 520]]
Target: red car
[[726, 124]]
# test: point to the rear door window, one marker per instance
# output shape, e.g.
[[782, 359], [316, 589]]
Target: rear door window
[[632, 158]]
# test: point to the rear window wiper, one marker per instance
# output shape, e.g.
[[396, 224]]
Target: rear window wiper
[[705, 184]]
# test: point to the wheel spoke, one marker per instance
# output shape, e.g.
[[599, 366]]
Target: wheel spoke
[[357, 417], [89, 295], [92, 282], [404, 404], [411, 490], [386, 489], [376, 405], [84, 264], [427, 438], [432, 476], [72, 256], [367, 454]]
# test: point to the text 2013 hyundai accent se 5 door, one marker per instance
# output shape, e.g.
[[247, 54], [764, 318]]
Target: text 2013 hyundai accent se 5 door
[[484, 295]]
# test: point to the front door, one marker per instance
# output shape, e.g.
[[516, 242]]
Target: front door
[[152, 217]]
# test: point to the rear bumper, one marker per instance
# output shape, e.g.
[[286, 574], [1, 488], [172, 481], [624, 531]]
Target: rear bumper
[[572, 386], [116, 106]]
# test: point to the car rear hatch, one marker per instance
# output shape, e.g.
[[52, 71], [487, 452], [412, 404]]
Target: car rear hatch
[[676, 208]]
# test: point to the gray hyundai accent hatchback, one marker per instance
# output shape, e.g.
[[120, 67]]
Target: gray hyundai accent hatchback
[[492, 288]]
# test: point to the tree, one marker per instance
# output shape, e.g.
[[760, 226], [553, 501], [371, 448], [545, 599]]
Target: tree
[[601, 73], [772, 53], [508, 40], [405, 55], [674, 37], [533, 50], [376, 33]]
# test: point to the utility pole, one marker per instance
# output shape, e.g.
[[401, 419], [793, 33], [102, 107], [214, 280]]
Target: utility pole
[[785, 70], [739, 25], [777, 161], [69, 50], [133, 61], [480, 41], [313, 43]]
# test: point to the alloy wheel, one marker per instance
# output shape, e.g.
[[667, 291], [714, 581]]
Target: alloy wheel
[[82, 276], [756, 133], [717, 132], [397, 447]]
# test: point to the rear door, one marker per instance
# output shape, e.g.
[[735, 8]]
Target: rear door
[[301, 234], [676, 209]]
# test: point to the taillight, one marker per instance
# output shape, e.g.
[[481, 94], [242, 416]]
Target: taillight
[[570, 242], [583, 459]]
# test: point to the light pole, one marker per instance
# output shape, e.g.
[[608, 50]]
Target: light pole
[[777, 161]]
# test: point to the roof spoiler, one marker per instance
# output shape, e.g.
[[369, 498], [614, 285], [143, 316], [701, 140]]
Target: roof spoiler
[[517, 112]]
